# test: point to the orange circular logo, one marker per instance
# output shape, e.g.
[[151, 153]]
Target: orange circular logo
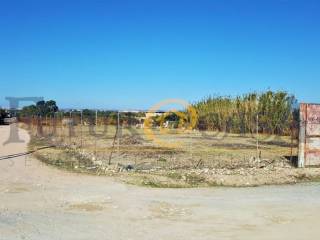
[[187, 121]]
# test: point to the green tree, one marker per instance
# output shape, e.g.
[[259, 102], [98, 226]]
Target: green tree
[[41, 108]]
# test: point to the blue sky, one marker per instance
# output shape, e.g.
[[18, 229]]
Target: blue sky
[[133, 54]]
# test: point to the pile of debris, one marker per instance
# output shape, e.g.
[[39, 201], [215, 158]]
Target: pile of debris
[[130, 140]]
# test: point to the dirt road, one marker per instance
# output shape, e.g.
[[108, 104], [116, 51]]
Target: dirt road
[[40, 202]]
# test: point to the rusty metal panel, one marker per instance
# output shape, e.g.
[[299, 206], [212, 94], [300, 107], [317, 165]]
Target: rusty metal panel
[[309, 137]]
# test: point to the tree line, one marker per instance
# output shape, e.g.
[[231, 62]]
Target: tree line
[[50, 109], [273, 112], [41, 108]]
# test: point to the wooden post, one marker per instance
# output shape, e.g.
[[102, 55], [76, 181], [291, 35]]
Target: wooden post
[[81, 122], [95, 137], [257, 136], [118, 133], [96, 117]]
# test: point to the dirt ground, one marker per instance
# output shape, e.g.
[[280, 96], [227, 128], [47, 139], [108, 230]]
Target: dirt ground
[[171, 157], [42, 202]]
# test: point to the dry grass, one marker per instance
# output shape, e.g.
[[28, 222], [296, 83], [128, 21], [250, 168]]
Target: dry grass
[[175, 162], [188, 149]]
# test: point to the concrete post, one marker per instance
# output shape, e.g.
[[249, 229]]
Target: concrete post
[[302, 135]]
